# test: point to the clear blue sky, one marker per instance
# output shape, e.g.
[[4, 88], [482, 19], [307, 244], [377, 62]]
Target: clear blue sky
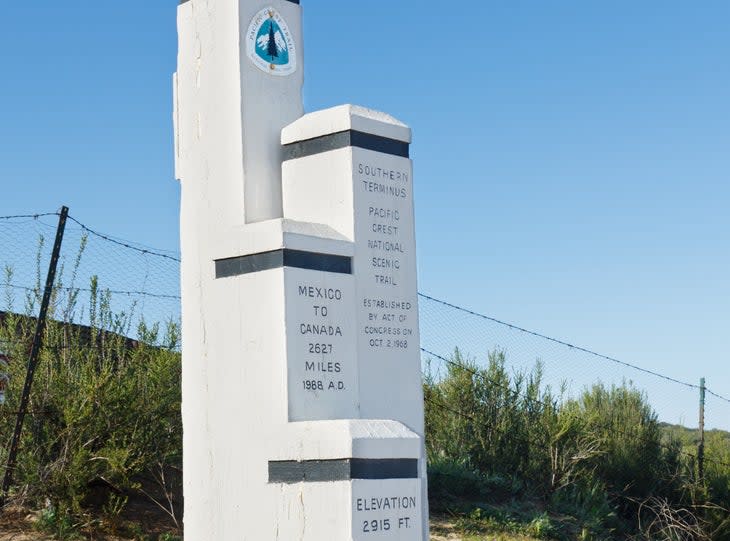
[[572, 158]]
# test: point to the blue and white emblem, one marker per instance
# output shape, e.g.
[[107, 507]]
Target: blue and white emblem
[[270, 45]]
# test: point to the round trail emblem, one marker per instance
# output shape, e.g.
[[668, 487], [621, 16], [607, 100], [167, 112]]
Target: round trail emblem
[[270, 45]]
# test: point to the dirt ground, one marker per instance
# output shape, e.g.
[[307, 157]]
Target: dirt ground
[[18, 525], [443, 530]]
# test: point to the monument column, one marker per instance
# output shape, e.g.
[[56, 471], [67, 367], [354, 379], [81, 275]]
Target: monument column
[[348, 167], [302, 400], [239, 82]]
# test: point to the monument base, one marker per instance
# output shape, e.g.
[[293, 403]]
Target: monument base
[[350, 480]]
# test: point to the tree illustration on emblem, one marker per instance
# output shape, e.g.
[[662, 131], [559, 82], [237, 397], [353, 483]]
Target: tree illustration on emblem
[[272, 50]]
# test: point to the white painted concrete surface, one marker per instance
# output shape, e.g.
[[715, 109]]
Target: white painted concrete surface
[[367, 197], [228, 112], [248, 345]]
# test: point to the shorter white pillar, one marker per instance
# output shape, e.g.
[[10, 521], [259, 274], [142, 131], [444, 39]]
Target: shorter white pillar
[[348, 169]]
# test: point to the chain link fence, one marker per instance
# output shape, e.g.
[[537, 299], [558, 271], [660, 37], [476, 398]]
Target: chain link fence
[[141, 286], [568, 369]]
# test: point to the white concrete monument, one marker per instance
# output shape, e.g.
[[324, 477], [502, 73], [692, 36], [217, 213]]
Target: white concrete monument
[[302, 397]]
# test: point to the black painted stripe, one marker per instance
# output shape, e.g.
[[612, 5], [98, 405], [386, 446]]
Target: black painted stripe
[[292, 1], [247, 264], [344, 139], [345, 469]]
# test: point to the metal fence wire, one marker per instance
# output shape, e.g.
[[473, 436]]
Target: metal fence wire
[[136, 283], [141, 286], [568, 369]]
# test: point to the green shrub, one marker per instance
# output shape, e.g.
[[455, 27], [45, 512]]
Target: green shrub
[[105, 409], [450, 484], [588, 504], [601, 462], [633, 462], [493, 423]]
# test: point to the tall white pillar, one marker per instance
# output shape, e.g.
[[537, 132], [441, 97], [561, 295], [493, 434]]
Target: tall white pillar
[[302, 402], [231, 104]]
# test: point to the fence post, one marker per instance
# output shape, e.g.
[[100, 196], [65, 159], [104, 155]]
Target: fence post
[[33, 357], [701, 446]]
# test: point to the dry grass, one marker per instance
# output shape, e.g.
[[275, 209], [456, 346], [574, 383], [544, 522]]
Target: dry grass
[[443, 529], [17, 525]]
